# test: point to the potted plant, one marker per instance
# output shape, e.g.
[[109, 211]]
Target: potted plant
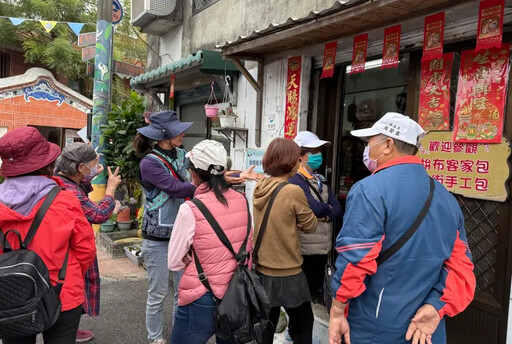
[[124, 221], [211, 108], [134, 254], [118, 150], [110, 225], [228, 117]]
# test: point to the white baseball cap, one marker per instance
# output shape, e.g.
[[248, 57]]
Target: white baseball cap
[[309, 140], [394, 125], [209, 155]]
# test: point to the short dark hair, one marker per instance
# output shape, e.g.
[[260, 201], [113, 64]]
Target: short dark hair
[[281, 157], [403, 147]]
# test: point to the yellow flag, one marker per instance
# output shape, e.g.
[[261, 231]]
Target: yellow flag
[[48, 25]]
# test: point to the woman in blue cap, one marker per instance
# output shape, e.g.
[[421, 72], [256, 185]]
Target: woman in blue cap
[[166, 183]]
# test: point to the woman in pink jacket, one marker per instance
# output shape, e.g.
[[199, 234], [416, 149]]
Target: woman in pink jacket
[[208, 163]]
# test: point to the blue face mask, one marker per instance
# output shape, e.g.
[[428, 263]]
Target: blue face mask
[[315, 160]]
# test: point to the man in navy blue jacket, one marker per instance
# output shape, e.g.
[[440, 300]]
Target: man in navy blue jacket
[[429, 277], [315, 246]]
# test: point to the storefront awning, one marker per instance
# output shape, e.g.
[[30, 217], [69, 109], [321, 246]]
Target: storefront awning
[[189, 71], [354, 17]]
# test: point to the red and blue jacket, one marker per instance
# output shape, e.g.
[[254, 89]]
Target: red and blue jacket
[[434, 267]]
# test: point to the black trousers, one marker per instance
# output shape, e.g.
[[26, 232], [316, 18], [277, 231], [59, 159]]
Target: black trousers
[[300, 326], [314, 269], [62, 332]]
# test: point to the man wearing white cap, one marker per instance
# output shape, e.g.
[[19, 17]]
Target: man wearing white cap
[[403, 259]]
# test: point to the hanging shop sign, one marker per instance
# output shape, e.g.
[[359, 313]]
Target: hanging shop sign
[[433, 37], [359, 53], [255, 158], [434, 112], [87, 39], [475, 170], [490, 24], [171, 90], [292, 97], [329, 60], [88, 53], [391, 49], [127, 69], [481, 94]]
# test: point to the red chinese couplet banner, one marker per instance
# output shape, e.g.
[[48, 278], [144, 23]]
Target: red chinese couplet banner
[[481, 94], [391, 49], [292, 97], [171, 92], [433, 37], [490, 24], [435, 93], [359, 53], [329, 60]]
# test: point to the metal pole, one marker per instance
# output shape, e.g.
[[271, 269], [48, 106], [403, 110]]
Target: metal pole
[[102, 81]]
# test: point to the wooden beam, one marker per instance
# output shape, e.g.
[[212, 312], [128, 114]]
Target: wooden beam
[[240, 66], [157, 100], [259, 105]]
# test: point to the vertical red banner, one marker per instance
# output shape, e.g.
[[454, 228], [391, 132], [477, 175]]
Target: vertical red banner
[[171, 91], [359, 53], [433, 37], [434, 112], [490, 24], [481, 95], [391, 48], [292, 97], [329, 60]]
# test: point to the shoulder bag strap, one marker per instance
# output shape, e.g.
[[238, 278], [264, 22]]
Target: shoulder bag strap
[[317, 193], [169, 166], [264, 222], [410, 232], [40, 214]]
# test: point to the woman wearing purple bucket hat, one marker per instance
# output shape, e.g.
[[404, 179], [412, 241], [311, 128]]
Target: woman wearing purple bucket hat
[[166, 183]]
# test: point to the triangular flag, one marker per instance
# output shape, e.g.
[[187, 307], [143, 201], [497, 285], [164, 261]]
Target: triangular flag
[[48, 25], [17, 21], [76, 27]]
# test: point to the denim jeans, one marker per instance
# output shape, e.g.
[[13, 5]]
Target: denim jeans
[[154, 254], [194, 323]]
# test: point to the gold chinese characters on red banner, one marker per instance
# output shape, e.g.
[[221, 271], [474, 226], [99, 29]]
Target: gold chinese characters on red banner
[[292, 97], [329, 60], [434, 111], [359, 54], [476, 170], [490, 24], [391, 49], [481, 94], [433, 37]]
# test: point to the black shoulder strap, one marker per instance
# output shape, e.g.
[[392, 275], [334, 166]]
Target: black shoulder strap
[[242, 253], [40, 214], [264, 222], [410, 232], [317, 193]]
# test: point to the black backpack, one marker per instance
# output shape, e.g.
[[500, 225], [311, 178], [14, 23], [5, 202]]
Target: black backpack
[[29, 304], [242, 315]]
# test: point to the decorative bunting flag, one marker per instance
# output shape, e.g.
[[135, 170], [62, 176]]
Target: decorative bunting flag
[[359, 53], [391, 49], [76, 27], [433, 37], [17, 21], [291, 114], [434, 111], [329, 60], [48, 25], [481, 95], [490, 24], [171, 91]]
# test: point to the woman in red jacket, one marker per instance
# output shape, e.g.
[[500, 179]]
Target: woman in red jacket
[[27, 165]]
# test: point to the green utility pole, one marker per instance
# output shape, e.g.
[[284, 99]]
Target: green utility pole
[[102, 82]]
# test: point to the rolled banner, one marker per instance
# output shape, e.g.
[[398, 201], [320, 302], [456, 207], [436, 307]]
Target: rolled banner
[[490, 24], [433, 37], [359, 53], [391, 48], [329, 60]]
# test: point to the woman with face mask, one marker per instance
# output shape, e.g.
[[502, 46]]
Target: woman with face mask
[[166, 183], [315, 246], [77, 165]]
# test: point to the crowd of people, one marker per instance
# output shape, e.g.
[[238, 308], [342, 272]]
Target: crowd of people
[[402, 261]]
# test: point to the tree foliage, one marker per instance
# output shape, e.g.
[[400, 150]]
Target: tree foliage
[[58, 50]]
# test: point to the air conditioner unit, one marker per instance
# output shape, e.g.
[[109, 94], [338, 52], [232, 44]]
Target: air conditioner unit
[[156, 17]]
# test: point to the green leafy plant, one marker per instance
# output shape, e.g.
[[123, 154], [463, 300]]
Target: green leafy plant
[[117, 138]]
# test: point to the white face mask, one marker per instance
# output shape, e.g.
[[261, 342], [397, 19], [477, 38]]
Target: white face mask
[[370, 164]]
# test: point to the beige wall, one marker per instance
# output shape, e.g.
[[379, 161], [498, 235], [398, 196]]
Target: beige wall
[[225, 20]]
